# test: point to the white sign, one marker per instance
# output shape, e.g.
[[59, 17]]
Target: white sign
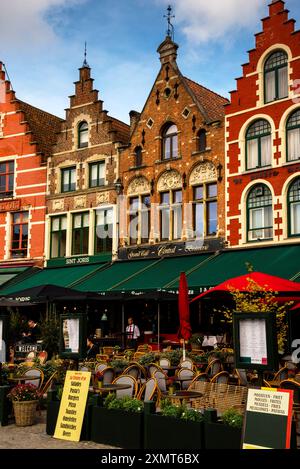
[[71, 335], [268, 402], [253, 341]]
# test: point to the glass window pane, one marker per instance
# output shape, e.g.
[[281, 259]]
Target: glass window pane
[[177, 222], [276, 59], [266, 150], [252, 154], [212, 221], [270, 86], [212, 190], [167, 148], [76, 242], [295, 218], [177, 197], [202, 140], [283, 87], [11, 166], [86, 219], [146, 201], [85, 241], [55, 245], [63, 223], [294, 144], [17, 217], [2, 183], [145, 226], [165, 224], [55, 224], [2, 167], [174, 147], [11, 182], [171, 130], [165, 198], [77, 221], [198, 220]]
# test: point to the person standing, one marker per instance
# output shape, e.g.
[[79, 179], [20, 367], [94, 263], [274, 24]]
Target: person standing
[[132, 333]]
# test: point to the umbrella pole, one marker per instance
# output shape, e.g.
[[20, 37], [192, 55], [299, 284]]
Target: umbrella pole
[[158, 325], [183, 350]]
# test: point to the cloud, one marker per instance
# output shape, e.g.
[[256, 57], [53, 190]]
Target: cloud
[[24, 23], [203, 21]]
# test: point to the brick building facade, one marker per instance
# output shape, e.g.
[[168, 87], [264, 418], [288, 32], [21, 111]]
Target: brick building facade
[[26, 138], [82, 172], [263, 139], [172, 171]]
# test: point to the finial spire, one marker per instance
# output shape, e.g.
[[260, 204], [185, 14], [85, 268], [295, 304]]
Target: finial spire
[[85, 64], [169, 16]]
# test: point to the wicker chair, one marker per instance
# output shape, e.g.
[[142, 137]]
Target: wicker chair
[[221, 378], [100, 367], [148, 390], [241, 377], [187, 363], [161, 379], [214, 367], [152, 368], [108, 375], [200, 377], [126, 379], [133, 370], [188, 376], [164, 362]]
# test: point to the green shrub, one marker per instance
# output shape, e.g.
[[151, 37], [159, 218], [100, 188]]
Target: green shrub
[[232, 418], [146, 359], [180, 412], [126, 404]]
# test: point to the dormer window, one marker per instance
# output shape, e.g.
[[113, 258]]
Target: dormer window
[[83, 135], [170, 142], [276, 76]]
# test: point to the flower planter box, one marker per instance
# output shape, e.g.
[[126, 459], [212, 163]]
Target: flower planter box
[[52, 413], [117, 428], [5, 405], [171, 433], [220, 436]]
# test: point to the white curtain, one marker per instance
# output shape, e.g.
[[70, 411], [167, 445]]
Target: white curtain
[[252, 154], [283, 86], [294, 144], [266, 150], [177, 221], [260, 218], [295, 218], [270, 87]]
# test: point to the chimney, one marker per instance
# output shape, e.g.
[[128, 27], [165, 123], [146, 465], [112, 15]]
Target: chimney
[[167, 51], [134, 118]]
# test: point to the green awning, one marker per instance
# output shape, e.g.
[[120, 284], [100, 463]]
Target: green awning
[[113, 276], [7, 274], [282, 261], [161, 273], [60, 276]]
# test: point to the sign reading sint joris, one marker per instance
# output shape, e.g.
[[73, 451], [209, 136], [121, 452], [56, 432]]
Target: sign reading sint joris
[[72, 406]]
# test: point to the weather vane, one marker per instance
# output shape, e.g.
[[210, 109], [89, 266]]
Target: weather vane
[[85, 64], [169, 16]]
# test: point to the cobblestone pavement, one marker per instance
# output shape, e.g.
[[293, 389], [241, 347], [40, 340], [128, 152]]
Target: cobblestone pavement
[[35, 437]]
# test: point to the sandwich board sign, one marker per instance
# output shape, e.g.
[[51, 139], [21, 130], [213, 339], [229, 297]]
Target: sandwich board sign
[[268, 419], [72, 405]]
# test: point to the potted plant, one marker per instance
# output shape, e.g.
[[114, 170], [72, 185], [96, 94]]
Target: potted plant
[[119, 422], [225, 432], [174, 427], [25, 398]]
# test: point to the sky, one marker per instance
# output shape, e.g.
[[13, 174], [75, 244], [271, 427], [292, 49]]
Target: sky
[[42, 46]]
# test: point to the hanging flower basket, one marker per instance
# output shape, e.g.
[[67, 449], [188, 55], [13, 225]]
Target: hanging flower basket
[[25, 412]]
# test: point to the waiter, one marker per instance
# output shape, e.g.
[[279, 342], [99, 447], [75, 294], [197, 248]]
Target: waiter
[[132, 333]]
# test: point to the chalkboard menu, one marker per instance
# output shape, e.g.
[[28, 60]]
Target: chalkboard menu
[[72, 336]]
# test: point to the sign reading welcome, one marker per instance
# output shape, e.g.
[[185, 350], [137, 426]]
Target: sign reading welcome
[[72, 406]]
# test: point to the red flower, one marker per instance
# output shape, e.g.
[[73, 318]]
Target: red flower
[[99, 375]]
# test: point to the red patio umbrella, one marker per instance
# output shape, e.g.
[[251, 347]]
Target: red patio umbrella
[[241, 283], [185, 330]]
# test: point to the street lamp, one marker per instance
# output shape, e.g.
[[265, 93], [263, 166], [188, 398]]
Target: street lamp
[[119, 186]]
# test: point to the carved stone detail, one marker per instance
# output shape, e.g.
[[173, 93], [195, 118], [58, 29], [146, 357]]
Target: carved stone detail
[[139, 185], [58, 205], [80, 201], [102, 198], [204, 172], [169, 180]]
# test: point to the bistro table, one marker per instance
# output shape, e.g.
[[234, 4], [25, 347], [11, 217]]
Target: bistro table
[[183, 395], [107, 388]]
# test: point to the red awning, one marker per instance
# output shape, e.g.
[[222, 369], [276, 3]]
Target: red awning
[[241, 283]]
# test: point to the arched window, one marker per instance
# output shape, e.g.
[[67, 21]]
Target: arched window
[[260, 213], [138, 157], [170, 142], [83, 135], [293, 136], [294, 208], [259, 145], [202, 140], [276, 76]]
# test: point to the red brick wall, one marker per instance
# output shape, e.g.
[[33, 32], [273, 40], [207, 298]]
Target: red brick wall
[[278, 32]]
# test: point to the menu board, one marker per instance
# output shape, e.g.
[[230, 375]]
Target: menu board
[[268, 419], [71, 335], [253, 341]]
